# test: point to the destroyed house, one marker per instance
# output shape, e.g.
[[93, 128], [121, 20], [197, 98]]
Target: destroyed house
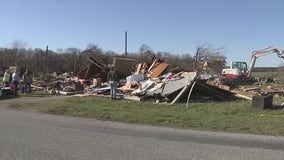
[[92, 70]]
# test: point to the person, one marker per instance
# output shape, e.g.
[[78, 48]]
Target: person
[[15, 80], [112, 80], [6, 78], [27, 81], [98, 81], [22, 87]]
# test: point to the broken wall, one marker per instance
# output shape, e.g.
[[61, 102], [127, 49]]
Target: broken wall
[[126, 66], [90, 72]]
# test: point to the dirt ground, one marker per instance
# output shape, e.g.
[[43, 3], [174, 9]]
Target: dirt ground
[[6, 101]]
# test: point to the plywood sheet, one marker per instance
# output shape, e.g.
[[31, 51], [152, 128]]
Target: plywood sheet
[[158, 70], [125, 66]]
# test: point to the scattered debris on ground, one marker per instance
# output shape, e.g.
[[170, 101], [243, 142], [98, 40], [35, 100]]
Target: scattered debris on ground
[[153, 82]]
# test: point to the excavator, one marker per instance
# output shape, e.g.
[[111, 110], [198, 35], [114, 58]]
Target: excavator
[[241, 72]]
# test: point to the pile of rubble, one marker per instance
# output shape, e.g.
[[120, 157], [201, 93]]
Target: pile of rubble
[[142, 82]]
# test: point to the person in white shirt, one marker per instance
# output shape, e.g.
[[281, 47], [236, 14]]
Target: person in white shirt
[[15, 80]]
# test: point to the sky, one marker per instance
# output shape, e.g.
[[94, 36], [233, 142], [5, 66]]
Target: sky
[[175, 26]]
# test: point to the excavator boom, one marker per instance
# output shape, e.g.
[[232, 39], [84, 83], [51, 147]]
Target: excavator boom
[[263, 52]]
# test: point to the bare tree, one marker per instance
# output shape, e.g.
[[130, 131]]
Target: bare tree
[[38, 60], [104, 58], [74, 58], [146, 53], [18, 51], [213, 57]]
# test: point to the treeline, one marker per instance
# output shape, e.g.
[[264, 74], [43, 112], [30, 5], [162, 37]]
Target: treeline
[[268, 69], [74, 59]]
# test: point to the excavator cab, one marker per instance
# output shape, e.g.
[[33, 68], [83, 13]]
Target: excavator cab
[[237, 71], [241, 67]]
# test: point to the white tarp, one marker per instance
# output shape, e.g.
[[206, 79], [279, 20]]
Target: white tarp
[[135, 77], [144, 86]]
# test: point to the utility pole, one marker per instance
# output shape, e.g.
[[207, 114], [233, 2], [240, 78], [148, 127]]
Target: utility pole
[[45, 62], [196, 58], [125, 43]]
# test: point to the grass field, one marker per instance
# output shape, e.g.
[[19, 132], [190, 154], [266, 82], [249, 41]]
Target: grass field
[[236, 116]]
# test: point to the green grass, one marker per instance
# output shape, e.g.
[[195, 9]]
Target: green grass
[[236, 116], [276, 75], [39, 93]]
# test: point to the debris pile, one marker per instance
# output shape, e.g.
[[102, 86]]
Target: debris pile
[[160, 83], [154, 82]]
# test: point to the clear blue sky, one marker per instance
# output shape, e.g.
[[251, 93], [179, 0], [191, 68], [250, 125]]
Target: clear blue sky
[[176, 26]]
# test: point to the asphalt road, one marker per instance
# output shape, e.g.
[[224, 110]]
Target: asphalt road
[[27, 135]]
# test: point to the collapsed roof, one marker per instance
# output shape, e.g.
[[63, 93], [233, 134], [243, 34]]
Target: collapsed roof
[[93, 70]]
